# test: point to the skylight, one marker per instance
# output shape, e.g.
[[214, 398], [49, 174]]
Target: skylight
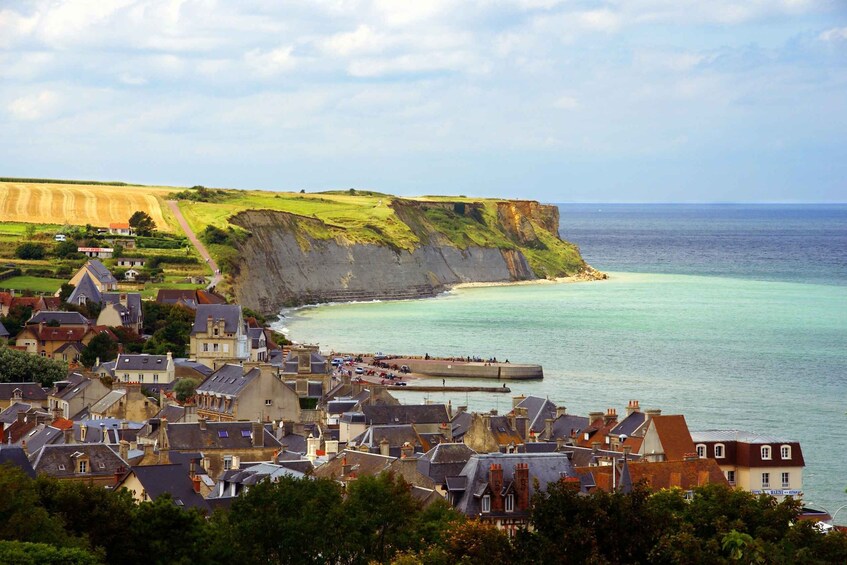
[[223, 433], [245, 433]]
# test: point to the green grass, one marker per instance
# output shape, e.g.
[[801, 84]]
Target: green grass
[[152, 289], [35, 284]]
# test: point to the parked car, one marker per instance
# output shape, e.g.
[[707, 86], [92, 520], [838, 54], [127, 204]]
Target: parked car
[[399, 383], [359, 370], [61, 237], [405, 369]]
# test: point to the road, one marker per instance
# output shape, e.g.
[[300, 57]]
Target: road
[[201, 249]]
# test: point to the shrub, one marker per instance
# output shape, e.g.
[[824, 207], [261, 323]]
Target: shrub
[[213, 234], [30, 251]]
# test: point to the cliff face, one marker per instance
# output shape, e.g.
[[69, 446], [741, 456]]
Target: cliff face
[[291, 259]]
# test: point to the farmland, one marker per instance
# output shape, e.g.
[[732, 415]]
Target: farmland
[[81, 204]]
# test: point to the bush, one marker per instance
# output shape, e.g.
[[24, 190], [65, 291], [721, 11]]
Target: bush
[[213, 235], [158, 243], [65, 249], [30, 251]]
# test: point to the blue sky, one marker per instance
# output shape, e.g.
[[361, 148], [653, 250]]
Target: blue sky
[[563, 101]]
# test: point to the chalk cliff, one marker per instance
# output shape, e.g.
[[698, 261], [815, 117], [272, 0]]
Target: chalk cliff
[[290, 259]]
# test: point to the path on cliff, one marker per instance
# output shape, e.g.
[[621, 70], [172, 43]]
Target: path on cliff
[[201, 249]]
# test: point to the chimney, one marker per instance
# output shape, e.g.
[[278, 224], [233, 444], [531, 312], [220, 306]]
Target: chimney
[[83, 431], [23, 446], [202, 422], [560, 443], [123, 450], [517, 400], [21, 417], [650, 413], [522, 422], [561, 411], [258, 434], [626, 451], [495, 481], [548, 429], [236, 462], [486, 421], [513, 419], [384, 447], [124, 425], [195, 482], [610, 417], [312, 446], [407, 450], [68, 435], [119, 475], [164, 444], [595, 446], [345, 468], [632, 407], [594, 416], [104, 434], [522, 485]]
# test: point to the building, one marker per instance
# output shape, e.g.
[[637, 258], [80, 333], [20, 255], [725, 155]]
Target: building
[[30, 393], [686, 475], [144, 368], [47, 341], [99, 252], [125, 403], [219, 335], [756, 463], [120, 228], [489, 433], [100, 275], [183, 484], [132, 262], [188, 298], [74, 395], [667, 439], [94, 463], [8, 300], [121, 309], [253, 393]]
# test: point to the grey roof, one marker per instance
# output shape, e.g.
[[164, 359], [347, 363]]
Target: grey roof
[[10, 414], [444, 460], [229, 380], [64, 318], [59, 460], [229, 313], [85, 289], [736, 435], [460, 424], [586, 456], [336, 407], [3, 331], [17, 457], [110, 427], [537, 410], [172, 479], [544, 468], [172, 413], [568, 424], [107, 401], [629, 424], [73, 389], [295, 443], [318, 363], [396, 435], [199, 367], [101, 272], [406, 414], [108, 367], [217, 435], [70, 345], [255, 334], [42, 435], [29, 391], [141, 362], [131, 313]]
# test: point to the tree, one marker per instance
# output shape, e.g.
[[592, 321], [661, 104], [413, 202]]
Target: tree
[[184, 388], [101, 346], [65, 291], [29, 250], [131, 341], [15, 320], [26, 553], [22, 367], [66, 249], [142, 223]]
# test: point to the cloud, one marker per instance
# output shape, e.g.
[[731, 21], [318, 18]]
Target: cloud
[[600, 20], [271, 62], [33, 107], [834, 34], [566, 103]]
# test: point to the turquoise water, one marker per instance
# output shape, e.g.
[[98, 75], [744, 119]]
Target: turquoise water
[[749, 332]]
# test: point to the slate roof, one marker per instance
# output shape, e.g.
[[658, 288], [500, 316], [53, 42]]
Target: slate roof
[[141, 362], [460, 424], [182, 362], [64, 318], [107, 401], [195, 297], [501, 429], [65, 347], [10, 414], [537, 410], [172, 479], [87, 289], [444, 460], [674, 435], [172, 413], [131, 312], [229, 313], [29, 391], [4, 333], [338, 407], [51, 459], [16, 457], [736, 435], [630, 424], [395, 435], [361, 463], [217, 435], [254, 474], [101, 272], [318, 363], [544, 468], [73, 389], [255, 334], [406, 414], [44, 434], [566, 425], [229, 380], [295, 443]]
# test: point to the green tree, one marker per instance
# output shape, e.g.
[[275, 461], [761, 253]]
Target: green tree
[[29, 250], [184, 388], [26, 553], [65, 291], [164, 533], [15, 320], [22, 518], [131, 341], [66, 249], [101, 346], [20, 366], [142, 223]]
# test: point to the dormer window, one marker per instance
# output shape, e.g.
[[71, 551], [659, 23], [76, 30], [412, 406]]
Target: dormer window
[[785, 452], [766, 452], [510, 503], [486, 503], [216, 332], [82, 466], [719, 451], [701, 451]]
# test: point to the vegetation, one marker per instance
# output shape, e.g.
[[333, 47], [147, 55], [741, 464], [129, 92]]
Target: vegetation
[[169, 326], [200, 194], [21, 367], [29, 250], [142, 223], [184, 388], [35, 284], [101, 347]]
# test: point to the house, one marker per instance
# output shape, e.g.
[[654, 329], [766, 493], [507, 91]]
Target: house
[[93, 463], [60, 318], [424, 416], [498, 487], [350, 464], [70, 352], [100, 275], [75, 394], [488, 433], [8, 300], [667, 439], [85, 291], [99, 252], [148, 482], [258, 345], [120, 228], [188, 298], [144, 368], [16, 457], [125, 403], [4, 333], [121, 309], [444, 460], [219, 335], [685, 475], [304, 365], [131, 274], [45, 340], [253, 393], [235, 481], [30, 393], [756, 463], [139, 262]]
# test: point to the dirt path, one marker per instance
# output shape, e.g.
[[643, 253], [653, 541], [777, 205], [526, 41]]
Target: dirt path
[[201, 249]]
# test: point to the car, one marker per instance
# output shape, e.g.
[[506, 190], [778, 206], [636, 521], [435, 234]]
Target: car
[[348, 358], [399, 383], [358, 380], [60, 237], [380, 356], [337, 362], [359, 370], [405, 369]]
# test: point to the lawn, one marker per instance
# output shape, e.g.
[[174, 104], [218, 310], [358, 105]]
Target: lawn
[[35, 284]]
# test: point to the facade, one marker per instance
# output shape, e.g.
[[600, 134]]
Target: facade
[[125, 403], [94, 463], [99, 252], [121, 309], [70, 397], [132, 262], [120, 228], [30, 393], [100, 275], [47, 340], [756, 463], [254, 393], [144, 368], [219, 335]]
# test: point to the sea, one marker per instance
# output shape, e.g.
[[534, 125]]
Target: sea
[[734, 315]]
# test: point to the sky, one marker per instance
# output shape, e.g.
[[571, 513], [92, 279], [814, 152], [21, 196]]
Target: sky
[[556, 100]]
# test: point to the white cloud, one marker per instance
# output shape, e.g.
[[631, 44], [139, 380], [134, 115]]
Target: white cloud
[[834, 34], [363, 40], [272, 62], [566, 103], [600, 20], [34, 107]]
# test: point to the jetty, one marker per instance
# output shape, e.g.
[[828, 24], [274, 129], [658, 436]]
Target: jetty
[[416, 388], [463, 369]]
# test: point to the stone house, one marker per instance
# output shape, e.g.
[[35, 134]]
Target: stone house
[[143, 368], [93, 463], [77, 393], [30, 393], [219, 335], [254, 393], [149, 482], [100, 275], [490, 433], [121, 309], [125, 403], [46, 340]]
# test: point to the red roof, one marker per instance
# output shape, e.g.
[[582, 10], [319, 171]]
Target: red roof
[[674, 435], [119, 226]]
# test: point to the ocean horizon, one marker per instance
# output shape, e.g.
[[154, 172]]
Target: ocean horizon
[[734, 315]]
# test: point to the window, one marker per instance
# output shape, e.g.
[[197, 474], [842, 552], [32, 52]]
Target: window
[[510, 503], [785, 452], [141, 377], [216, 331], [730, 477], [766, 480], [223, 433], [227, 463], [786, 480], [246, 433], [83, 466], [156, 378], [206, 347], [766, 452], [486, 503], [226, 348], [269, 402], [719, 451], [61, 467], [701, 451], [214, 347]]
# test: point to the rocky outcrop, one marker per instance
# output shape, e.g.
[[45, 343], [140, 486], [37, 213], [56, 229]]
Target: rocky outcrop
[[289, 259]]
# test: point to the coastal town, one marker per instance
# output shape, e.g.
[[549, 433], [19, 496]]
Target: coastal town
[[240, 408]]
